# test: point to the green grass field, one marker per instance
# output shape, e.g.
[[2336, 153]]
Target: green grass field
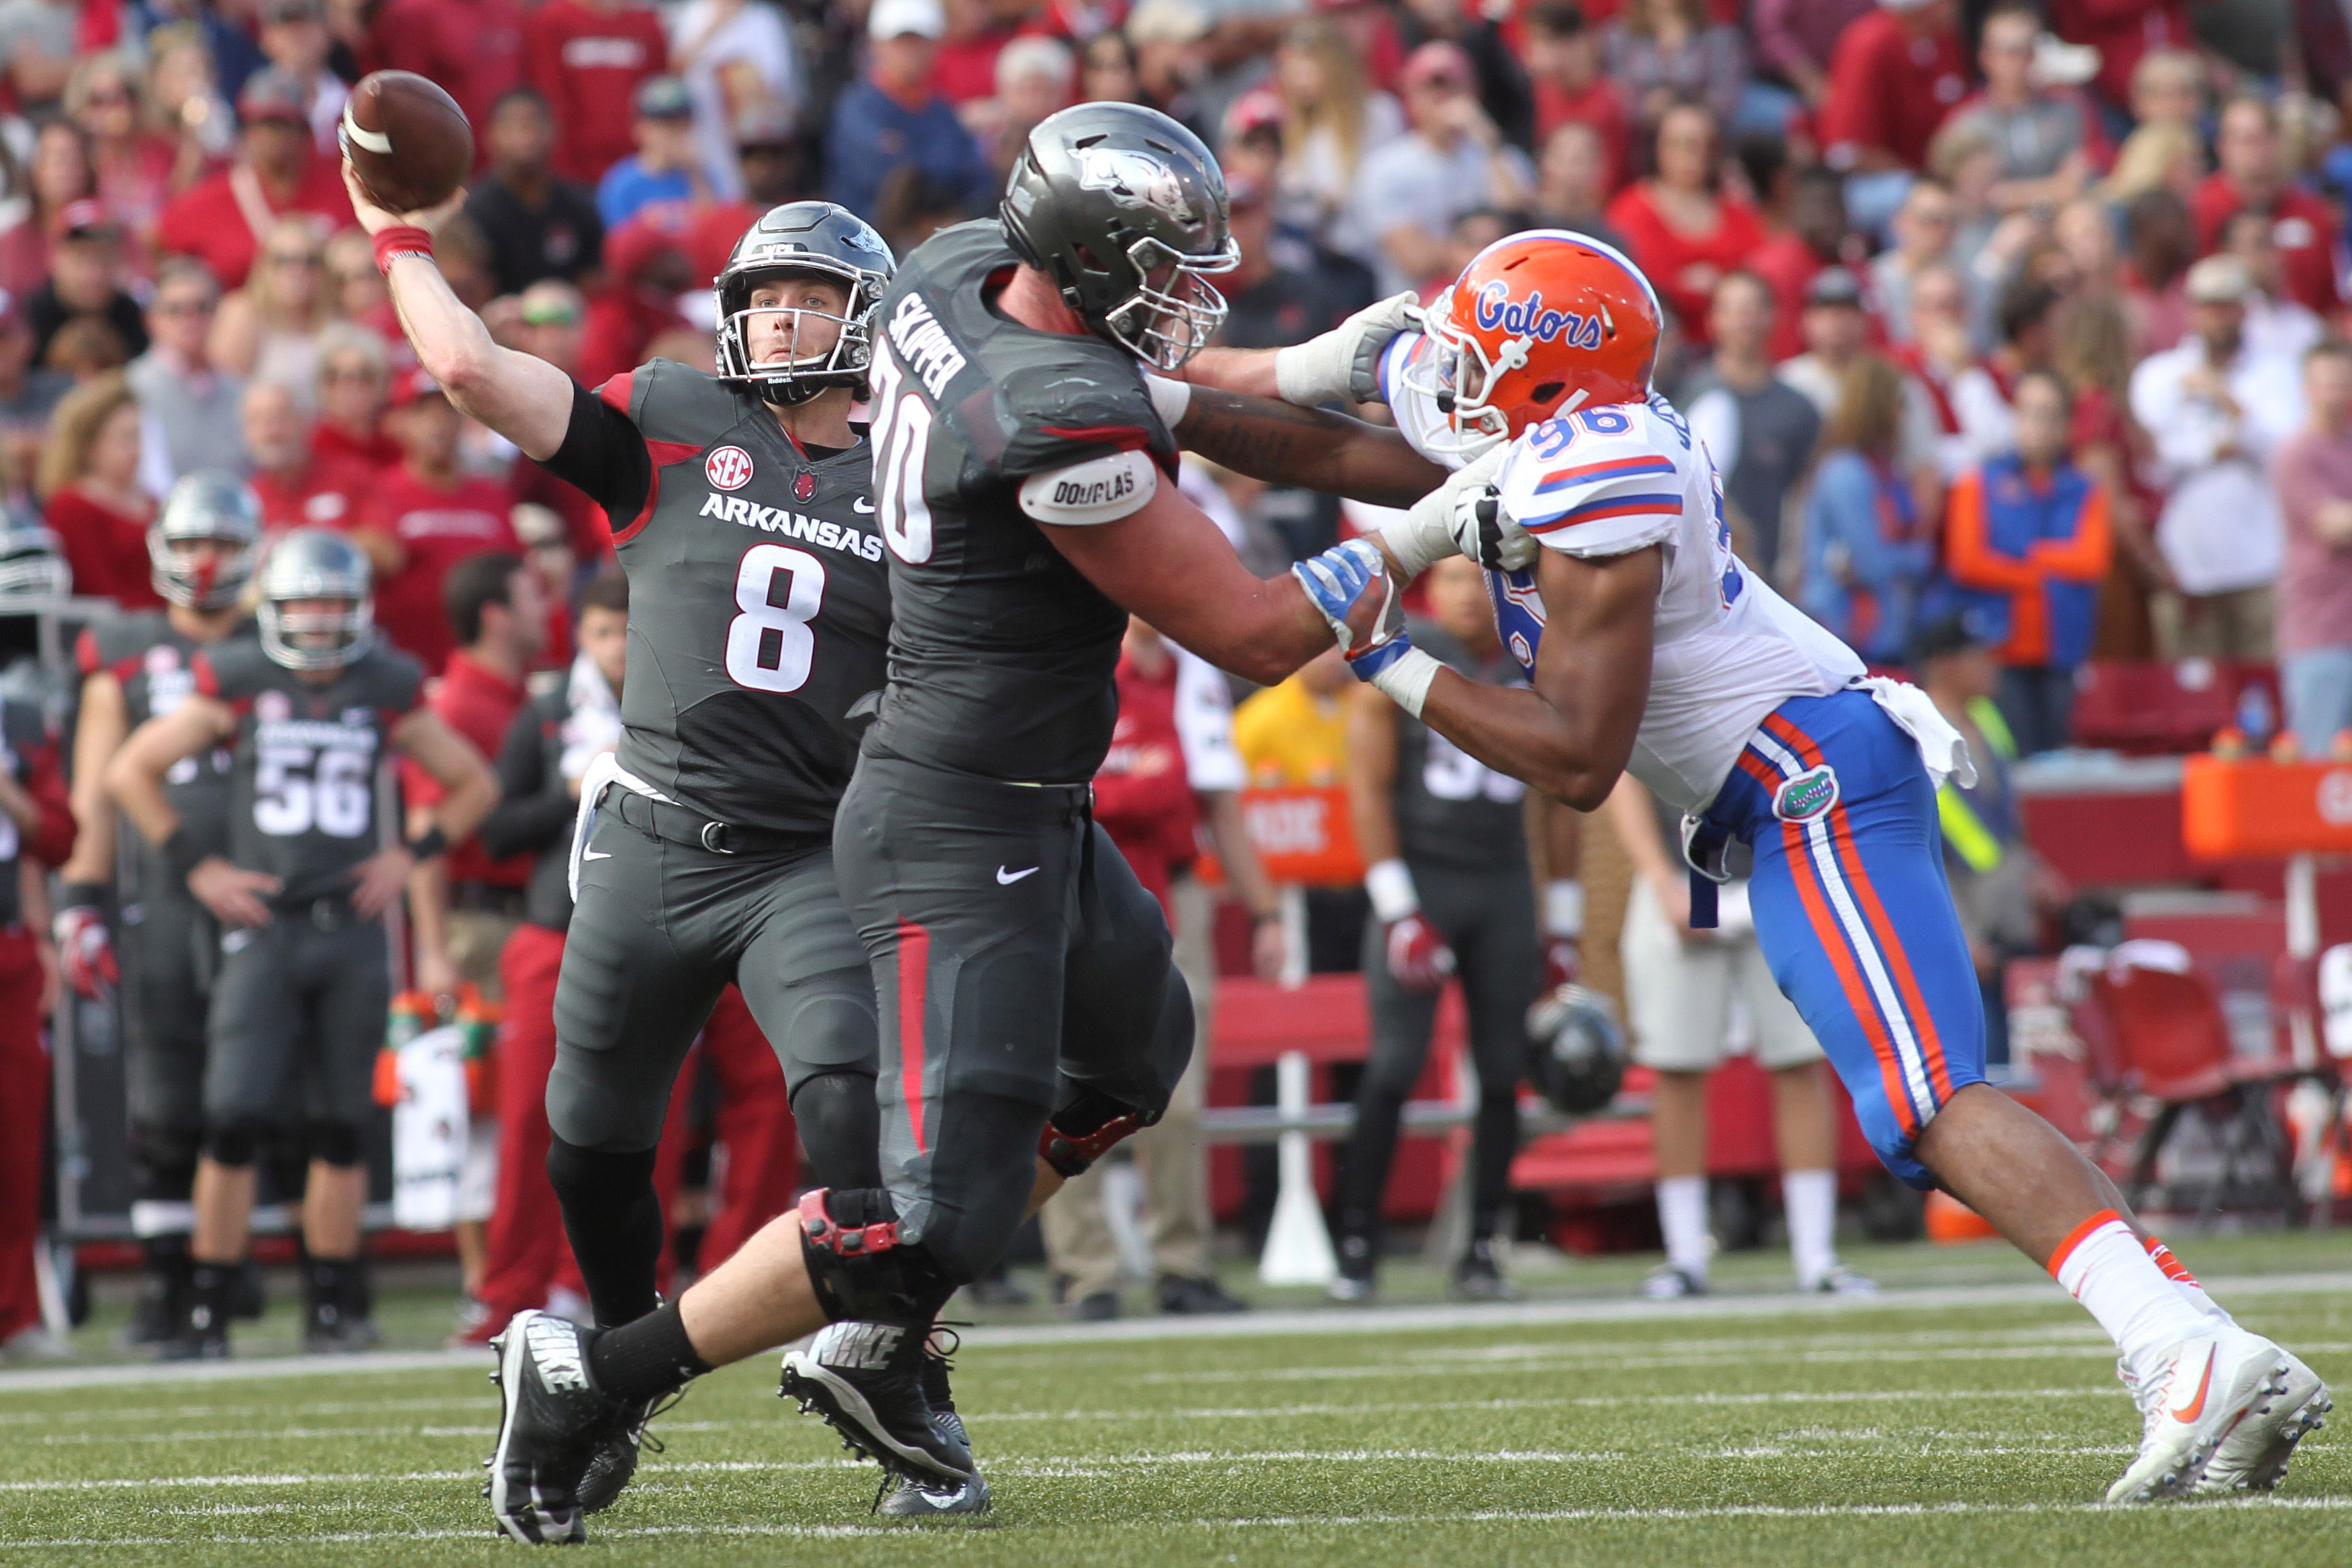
[[1971, 1417]]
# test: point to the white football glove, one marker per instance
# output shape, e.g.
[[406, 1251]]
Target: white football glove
[[1342, 366], [1447, 523]]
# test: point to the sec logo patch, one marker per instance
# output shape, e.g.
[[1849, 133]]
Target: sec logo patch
[[727, 468]]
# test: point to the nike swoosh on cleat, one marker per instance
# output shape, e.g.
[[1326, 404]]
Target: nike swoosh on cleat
[[2195, 1407], [1006, 879]]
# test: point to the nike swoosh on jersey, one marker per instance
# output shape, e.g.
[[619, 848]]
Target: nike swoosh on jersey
[[1006, 879], [2195, 1407], [861, 504], [595, 854]]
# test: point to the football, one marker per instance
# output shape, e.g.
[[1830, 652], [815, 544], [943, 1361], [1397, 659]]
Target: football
[[407, 139]]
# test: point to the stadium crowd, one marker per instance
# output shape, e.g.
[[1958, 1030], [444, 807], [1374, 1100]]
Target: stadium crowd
[[2014, 334]]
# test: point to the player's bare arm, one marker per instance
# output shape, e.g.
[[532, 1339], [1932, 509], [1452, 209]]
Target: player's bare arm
[[135, 780], [99, 733], [1169, 564], [1571, 732], [523, 398], [470, 792], [1336, 366], [1286, 445]]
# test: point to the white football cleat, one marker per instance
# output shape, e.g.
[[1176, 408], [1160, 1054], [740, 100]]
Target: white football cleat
[[2210, 1385], [2253, 1455]]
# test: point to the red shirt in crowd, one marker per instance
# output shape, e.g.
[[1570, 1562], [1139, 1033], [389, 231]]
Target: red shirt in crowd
[[207, 221], [1143, 796], [587, 61], [438, 526], [2123, 31], [589, 531], [1788, 265], [327, 493], [1684, 269], [1600, 106], [1889, 92], [331, 443], [2301, 225], [105, 547], [473, 49], [480, 704]]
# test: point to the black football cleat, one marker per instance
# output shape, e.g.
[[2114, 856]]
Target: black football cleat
[[907, 1500], [867, 1381], [552, 1419], [615, 1461]]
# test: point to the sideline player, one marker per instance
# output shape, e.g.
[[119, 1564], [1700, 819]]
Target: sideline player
[[135, 665], [1024, 484], [742, 511], [1650, 649], [307, 712]]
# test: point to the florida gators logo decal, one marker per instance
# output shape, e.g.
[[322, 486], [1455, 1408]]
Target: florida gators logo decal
[[1531, 318], [1806, 796]]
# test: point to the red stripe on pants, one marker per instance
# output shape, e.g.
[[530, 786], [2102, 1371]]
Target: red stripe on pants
[[914, 987], [526, 1247], [755, 1124], [24, 1129]]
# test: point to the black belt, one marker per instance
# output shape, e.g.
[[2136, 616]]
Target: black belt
[[486, 899], [676, 825], [332, 912]]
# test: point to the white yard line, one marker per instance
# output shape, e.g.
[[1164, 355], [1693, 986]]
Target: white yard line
[[1759, 1511], [1246, 1325]]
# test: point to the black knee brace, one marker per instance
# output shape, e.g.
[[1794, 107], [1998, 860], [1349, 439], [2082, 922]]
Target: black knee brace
[[858, 1267], [235, 1142], [1088, 1126], [841, 1129], [338, 1143], [585, 1178], [164, 1159]]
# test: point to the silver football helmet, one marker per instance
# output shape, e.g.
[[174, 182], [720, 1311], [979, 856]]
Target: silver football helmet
[[205, 508], [307, 565]]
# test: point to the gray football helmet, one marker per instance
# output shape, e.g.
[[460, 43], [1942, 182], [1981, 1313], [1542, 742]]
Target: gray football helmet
[[1125, 210], [204, 506], [803, 236], [315, 563], [1576, 1049], [32, 562]]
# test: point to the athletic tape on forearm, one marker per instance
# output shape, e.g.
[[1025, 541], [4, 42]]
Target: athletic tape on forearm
[[1563, 907], [1421, 537], [1169, 399], [1407, 682], [1390, 883]]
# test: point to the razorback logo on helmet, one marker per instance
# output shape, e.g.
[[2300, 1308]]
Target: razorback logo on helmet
[[1136, 180], [727, 468], [1527, 318]]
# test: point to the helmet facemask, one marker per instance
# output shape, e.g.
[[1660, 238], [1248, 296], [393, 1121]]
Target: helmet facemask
[[315, 639], [195, 579], [1164, 324], [1457, 375], [798, 377]]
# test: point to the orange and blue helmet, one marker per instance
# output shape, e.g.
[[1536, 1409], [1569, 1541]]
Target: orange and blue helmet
[[1538, 324]]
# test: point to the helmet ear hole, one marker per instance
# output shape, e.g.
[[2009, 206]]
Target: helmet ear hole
[[1548, 393]]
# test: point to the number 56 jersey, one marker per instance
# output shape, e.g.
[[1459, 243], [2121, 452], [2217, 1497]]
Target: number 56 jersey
[[303, 774], [1607, 481]]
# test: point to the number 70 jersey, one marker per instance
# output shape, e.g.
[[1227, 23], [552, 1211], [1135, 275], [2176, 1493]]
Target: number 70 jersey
[[1726, 649], [303, 793]]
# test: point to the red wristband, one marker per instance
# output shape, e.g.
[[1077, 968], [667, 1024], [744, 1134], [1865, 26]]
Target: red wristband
[[405, 240]]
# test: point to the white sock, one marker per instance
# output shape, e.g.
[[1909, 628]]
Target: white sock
[[1810, 1200], [2103, 1266], [2184, 1281], [1682, 1216]]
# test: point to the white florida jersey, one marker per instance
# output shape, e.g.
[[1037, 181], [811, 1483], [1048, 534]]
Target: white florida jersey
[[1608, 481]]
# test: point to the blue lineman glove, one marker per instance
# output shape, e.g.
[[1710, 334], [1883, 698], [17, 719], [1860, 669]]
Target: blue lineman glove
[[1350, 585]]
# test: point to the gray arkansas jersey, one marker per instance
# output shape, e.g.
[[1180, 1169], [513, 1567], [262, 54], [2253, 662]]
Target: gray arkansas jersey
[[303, 802], [1452, 810], [1000, 652], [155, 666], [759, 605]]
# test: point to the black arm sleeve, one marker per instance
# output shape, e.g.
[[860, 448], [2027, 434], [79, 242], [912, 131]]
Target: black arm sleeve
[[604, 458], [534, 812]]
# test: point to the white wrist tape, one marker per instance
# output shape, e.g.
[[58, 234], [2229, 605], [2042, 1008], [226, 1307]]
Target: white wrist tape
[[1169, 399], [1563, 907], [1423, 535], [1391, 885], [1407, 682]]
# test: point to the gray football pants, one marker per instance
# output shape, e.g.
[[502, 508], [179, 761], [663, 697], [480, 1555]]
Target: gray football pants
[[659, 931], [1016, 960]]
